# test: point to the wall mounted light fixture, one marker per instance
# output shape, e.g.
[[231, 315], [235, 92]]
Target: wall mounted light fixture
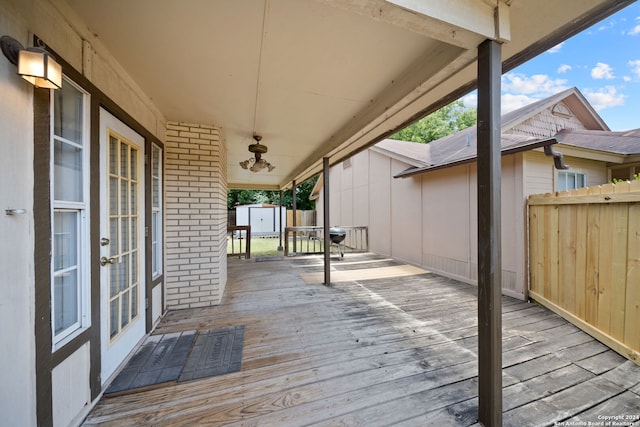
[[35, 64]]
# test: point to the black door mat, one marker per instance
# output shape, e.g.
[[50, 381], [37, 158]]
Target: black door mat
[[215, 352], [170, 358]]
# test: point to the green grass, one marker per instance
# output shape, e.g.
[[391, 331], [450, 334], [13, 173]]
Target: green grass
[[259, 247]]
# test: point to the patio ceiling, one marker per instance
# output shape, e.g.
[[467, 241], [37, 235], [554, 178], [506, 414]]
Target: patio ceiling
[[318, 78]]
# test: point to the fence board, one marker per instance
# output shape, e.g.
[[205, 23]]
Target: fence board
[[592, 273], [567, 216], [584, 249], [619, 269], [581, 260], [632, 297]]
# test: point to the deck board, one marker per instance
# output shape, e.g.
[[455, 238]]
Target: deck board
[[398, 350]]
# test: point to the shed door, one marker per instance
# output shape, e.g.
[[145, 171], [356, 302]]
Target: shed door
[[261, 220]]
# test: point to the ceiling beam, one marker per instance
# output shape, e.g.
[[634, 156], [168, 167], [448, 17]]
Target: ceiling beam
[[478, 17], [410, 20]]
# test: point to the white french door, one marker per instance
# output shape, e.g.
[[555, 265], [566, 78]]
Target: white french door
[[122, 254]]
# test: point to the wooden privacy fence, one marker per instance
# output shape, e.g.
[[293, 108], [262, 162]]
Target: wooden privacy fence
[[303, 218], [584, 260]]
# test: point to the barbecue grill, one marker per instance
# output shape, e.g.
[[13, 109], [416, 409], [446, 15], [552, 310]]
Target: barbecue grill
[[337, 235]]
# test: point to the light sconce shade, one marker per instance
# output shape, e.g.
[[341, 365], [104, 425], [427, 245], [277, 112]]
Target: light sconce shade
[[40, 69], [35, 64]]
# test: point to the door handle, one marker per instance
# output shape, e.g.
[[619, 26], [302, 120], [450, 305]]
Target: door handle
[[104, 261]]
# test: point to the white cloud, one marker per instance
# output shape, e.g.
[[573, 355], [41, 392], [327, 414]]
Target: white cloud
[[512, 102], [604, 97], [564, 68], [636, 29], [537, 86], [471, 100], [626, 78], [635, 67], [556, 48], [602, 71], [607, 25]]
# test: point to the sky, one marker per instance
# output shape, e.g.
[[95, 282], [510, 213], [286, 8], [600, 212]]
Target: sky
[[603, 62]]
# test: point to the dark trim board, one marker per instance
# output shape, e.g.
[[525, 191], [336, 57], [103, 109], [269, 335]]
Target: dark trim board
[[42, 254]]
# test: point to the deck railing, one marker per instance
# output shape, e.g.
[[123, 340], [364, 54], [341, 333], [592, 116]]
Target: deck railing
[[235, 236], [584, 260], [310, 240]]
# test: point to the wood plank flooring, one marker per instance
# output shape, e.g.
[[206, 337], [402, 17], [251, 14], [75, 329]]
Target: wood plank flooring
[[384, 351]]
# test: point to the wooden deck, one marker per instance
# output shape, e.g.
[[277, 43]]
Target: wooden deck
[[387, 350]]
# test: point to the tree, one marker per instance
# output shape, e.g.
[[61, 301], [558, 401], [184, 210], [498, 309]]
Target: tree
[[248, 197], [445, 121]]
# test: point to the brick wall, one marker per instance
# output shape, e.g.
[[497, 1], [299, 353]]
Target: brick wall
[[195, 215]]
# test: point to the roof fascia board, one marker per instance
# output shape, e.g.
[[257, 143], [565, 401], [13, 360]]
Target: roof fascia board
[[252, 186], [590, 154], [505, 152], [401, 158]]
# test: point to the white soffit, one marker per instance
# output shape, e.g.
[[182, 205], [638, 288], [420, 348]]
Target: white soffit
[[316, 78]]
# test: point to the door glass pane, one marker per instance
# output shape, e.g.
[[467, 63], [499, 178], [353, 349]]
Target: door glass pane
[[113, 236], [113, 155], [124, 197], [67, 112], [124, 313], [155, 192], [125, 273], [113, 196], [67, 172], [65, 300], [134, 267], [134, 301], [134, 198], [114, 278], [124, 227], [124, 160], [134, 235], [113, 318], [134, 164], [154, 242]]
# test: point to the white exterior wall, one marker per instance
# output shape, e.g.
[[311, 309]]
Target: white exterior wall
[[17, 300], [406, 216], [430, 220], [541, 176], [70, 388], [196, 216], [379, 203]]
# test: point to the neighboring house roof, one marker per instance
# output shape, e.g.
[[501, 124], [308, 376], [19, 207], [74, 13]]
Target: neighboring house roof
[[626, 143], [461, 146], [410, 152], [519, 133], [572, 98]]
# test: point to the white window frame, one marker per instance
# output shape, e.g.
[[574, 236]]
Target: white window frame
[[156, 245], [82, 208], [568, 174]]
